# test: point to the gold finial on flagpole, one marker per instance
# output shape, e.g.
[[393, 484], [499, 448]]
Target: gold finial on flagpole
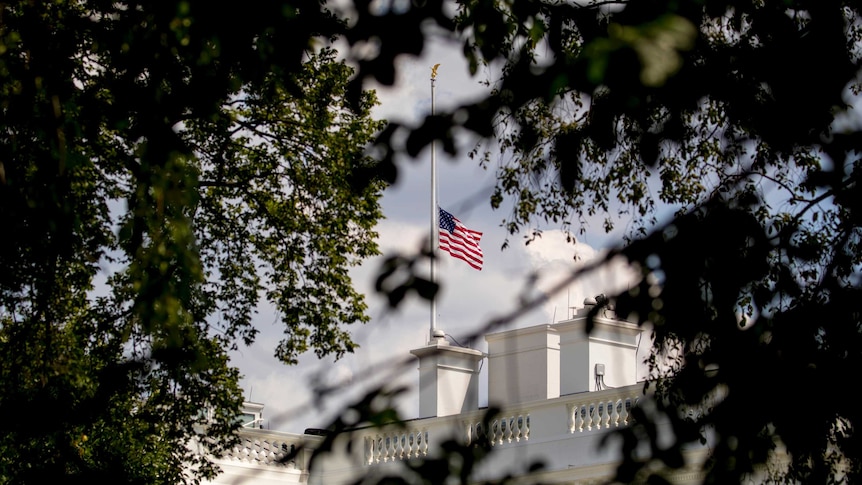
[[434, 71]]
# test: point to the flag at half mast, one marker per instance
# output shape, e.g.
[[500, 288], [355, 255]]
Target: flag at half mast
[[458, 241]]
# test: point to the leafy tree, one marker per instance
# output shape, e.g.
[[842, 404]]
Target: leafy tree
[[165, 167], [736, 115], [204, 121], [724, 132]]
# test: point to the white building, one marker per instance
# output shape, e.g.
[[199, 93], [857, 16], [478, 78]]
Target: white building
[[560, 392]]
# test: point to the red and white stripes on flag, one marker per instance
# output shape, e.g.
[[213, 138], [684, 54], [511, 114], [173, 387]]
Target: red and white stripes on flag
[[458, 241]]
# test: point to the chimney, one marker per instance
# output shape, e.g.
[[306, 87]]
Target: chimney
[[523, 365], [448, 378]]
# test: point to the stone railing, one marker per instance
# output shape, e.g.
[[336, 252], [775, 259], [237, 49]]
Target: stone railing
[[396, 445], [266, 448], [544, 420], [600, 414], [512, 427], [560, 432]]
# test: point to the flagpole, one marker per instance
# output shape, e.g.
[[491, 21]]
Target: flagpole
[[435, 225]]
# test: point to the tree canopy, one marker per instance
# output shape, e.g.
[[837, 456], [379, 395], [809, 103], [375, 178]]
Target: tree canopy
[[165, 165], [737, 119], [164, 168]]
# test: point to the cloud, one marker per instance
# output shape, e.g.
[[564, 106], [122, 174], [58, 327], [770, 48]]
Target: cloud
[[560, 265]]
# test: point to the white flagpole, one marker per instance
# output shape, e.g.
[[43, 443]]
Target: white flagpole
[[435, 225]]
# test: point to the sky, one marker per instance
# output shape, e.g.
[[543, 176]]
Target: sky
[[468, 299]]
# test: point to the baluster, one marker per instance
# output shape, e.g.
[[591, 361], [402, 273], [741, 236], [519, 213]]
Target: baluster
[[390, 448], [399, 447], [405, 446], [396, 442], [519, 427], [527, 427], [265, 452], [245, 450], [624, 417], [597, 417], [624, 413], [588, 417], [575, 417], [606, 417], [380, 450], [579, 418], [600, 415]]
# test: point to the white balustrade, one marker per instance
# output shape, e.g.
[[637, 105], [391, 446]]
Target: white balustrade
[[263, 451], [600, 414], [508, 429], [397, 445], [584, 412]]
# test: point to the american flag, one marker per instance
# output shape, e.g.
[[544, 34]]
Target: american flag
[[458, 241]]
